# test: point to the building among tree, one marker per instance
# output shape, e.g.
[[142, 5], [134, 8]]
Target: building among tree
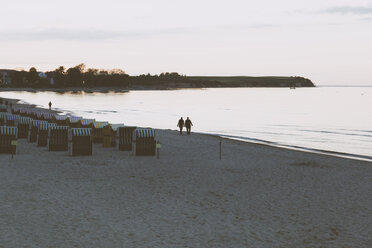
[[6, 76]]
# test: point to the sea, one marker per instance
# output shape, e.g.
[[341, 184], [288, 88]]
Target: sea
[[332, 120]]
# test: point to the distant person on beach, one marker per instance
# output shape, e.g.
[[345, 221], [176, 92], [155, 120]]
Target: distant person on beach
[[188, 125], [50, 105], [180, 124]]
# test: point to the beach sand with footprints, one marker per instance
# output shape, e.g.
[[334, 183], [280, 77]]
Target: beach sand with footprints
[[255, 196]]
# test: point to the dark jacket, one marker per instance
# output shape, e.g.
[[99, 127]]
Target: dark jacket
[[188, 123], [181, 123]]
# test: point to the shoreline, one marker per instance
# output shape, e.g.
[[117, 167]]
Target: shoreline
[[298, 148], [118, 90], [288, 148], [243, 139]]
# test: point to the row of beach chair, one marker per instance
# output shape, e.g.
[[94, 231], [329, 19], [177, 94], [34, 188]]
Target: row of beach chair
[[69, 133]]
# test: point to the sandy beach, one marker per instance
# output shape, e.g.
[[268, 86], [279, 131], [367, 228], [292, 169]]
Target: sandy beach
[[256, 196]]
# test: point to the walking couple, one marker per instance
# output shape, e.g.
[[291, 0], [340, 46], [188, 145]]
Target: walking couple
[[186, 123]]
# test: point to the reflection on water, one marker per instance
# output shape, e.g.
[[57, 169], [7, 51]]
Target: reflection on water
[[324, 118]]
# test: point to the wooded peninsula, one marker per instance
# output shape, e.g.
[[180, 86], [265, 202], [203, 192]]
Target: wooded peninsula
[[81, 77]]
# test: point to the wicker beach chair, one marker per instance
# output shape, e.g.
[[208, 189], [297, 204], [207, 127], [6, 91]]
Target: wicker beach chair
[[58, 138], [33, 130], [10, 120], [23, 124], [125, 138], [97, 131], [74, 121], [42, 133], [8, 139], [144, 141], [60, 120], [3, 116], [80, 142], [87, 123]]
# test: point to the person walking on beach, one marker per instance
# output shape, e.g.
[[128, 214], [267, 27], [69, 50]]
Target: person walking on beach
[[180, 124], [50, 104], [188, 125]]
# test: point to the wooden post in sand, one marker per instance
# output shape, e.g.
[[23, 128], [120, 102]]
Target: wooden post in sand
[[157, 150], [158, 146], [220, 146]]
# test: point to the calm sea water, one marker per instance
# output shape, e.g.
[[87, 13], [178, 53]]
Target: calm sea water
[[337, 119]]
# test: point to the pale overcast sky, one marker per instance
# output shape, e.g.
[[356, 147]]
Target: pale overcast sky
[[328, 41]]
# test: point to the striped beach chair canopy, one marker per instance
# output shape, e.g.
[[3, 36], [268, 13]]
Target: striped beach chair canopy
[[45, 126], [3, 115], [24, 120], [36, 123], [60, 117], [59, 127], [16, 107], [81, 131], [75, 119], [48, 115], [3, 107], [116, 126], [30, 111], [145, 133], [23, 110], [40, 114], [8, 130], [12, 117], [86, 122], [100, 124]]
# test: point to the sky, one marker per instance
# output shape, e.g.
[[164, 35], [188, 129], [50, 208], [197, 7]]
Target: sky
[[329, 41]]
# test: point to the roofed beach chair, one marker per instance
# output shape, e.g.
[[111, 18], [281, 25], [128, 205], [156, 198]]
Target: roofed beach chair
[[80, 142], [30, 112], [61, 120], [58, 138], [144, 141], [3, 116], [40, 115], [8, 139], [87, 123], [74, 121], [10, 120], [97, 131], [23, 111], [47, 116], [33, 130], [109, 134], [23, 124], [16, 110], [125, 138], [42, 133], [3, 108]]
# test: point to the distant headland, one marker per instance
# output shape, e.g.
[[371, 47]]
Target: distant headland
[[81, 78]]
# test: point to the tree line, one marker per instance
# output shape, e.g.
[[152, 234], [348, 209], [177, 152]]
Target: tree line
[[80, 76]]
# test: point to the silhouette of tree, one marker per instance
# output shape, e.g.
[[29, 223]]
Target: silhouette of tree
[[79, 76], [19, 78], [32, 77], [59, 76], [74, 75]]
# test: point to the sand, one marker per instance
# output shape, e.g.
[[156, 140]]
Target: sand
[[256, 196]]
